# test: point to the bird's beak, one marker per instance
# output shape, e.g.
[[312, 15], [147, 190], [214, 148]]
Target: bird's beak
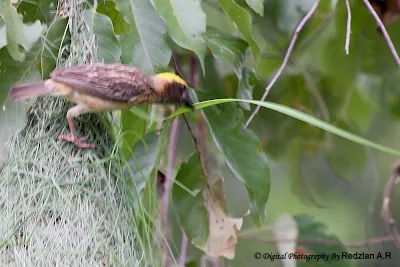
[[188, 101]]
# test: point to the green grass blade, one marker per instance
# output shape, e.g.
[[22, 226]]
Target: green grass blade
[[297, 115]]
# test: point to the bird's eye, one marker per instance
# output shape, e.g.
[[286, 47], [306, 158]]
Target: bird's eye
[[183, 87]]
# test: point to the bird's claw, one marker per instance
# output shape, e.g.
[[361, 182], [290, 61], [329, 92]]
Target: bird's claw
[[78, 141]]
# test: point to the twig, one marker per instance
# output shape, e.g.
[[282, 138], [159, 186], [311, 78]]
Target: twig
[[190, 129], [184, 244], [302, 44], [178, 71], [373, 197], [194, 75], [312, 87], [369, 242], [173, 142], [202, 129], [193, 81], [286, 58], [384, 32], [176, 65], [348, 30], [389, 222]]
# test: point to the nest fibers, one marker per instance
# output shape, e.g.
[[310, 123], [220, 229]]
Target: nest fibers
[[59, 205]]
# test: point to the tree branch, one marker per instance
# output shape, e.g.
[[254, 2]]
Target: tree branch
[[173, 142], [193, 83], [348, 29], [389, 222], [285, 60], [369, 242], [384, 32], [182, 255]]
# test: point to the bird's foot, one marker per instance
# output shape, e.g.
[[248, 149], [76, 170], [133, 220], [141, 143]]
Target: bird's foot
[[78, 141]]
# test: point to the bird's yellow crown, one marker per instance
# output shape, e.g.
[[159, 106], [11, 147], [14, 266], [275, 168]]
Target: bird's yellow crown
[[171, 77]]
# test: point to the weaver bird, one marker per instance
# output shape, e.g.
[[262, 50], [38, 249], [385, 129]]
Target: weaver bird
[[105, 87]]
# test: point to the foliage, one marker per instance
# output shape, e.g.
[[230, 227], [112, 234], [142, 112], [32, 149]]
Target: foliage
[[232, 49]]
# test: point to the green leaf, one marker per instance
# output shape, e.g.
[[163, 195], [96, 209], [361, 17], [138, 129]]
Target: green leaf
[[141, 163], [291, 12], [56, 38], [360, 111], [346, 159], [188, 200], [133, 129], [368, 54], [43, 10], [257, 6], [108, 47], [120, 25], [149, 205], [186, 23], [267, 29], [318, 27], [327, 52], [242, 19], [138, 183], [145, 46], [227, 47], [149, 201], [309, 229], [278, 138], [233, 50], [217, 18], [298, 186], [13, 72], [385, 93], [238, 146], [297, 115], [129, 44], [17, 33], [247, 81], [371, 47]]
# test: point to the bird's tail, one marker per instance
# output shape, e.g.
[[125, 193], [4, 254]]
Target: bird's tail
[[29, 90]]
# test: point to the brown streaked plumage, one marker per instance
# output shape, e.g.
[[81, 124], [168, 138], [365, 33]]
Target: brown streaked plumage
[[105, 87]]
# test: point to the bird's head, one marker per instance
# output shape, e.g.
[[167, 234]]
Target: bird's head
[[172, 89]]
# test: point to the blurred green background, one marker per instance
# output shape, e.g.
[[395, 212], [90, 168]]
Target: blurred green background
[[312, 172]]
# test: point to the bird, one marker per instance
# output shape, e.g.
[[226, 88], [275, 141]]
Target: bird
[[104, 87]]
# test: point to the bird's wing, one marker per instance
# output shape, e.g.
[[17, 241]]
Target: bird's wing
[[113, 82]]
